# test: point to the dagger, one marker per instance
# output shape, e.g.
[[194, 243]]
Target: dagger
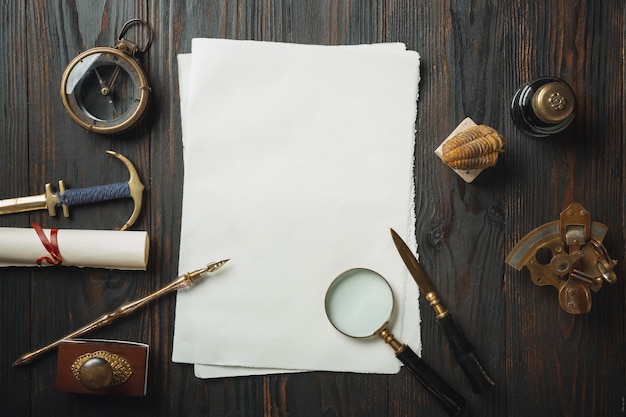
[[463, 350], [51, 200]]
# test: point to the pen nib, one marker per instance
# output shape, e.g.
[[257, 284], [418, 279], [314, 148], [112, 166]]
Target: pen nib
[[214, 266]]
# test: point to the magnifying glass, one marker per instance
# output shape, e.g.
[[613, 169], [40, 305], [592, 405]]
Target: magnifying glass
[[359, 304]]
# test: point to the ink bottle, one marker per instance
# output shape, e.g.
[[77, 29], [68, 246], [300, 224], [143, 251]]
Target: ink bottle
[[543, 107]]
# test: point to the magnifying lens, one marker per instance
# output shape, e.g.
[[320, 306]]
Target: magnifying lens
[[359, 304]]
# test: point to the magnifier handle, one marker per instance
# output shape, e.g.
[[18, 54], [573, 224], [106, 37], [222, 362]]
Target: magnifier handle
[[449, 399]]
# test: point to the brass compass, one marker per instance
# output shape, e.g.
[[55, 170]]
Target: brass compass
[[105, 90]]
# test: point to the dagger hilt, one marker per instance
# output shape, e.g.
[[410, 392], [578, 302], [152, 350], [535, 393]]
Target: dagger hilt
[[79, 196], [133, 188]]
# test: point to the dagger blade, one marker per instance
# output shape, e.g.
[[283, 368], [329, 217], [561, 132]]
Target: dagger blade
[[47, 200], [21, 204], [415, 268]]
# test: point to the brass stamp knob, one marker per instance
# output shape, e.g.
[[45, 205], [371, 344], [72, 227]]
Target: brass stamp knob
[[101, 369], [553, 102], [544, 107]]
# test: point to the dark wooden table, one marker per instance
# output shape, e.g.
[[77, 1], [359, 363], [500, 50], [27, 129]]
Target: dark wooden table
[[475, 55]]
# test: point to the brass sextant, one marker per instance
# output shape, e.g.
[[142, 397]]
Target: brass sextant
[[567, 254]]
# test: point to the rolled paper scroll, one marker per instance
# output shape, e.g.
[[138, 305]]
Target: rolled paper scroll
[[110, 249]]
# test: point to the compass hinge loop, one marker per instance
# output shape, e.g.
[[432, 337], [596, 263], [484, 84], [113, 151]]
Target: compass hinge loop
[[132, 48]]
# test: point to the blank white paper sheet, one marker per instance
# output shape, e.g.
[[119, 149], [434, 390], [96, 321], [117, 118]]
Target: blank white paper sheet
[[298, 160]]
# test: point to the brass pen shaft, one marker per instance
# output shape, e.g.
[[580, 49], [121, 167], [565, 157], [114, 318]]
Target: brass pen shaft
[[124, 310]]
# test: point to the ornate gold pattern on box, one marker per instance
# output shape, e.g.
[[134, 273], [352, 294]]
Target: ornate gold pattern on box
[[120, 366]]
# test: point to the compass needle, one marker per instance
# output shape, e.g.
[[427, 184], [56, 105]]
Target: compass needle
[[105, 89], [116, 72]]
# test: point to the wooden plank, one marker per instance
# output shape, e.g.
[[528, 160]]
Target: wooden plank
[[15, 288], [165, 150], [559, 363]]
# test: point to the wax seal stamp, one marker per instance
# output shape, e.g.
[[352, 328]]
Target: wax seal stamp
[[543, 107], [101, 369]]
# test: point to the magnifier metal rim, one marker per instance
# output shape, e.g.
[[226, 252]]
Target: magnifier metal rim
[[343, 276]]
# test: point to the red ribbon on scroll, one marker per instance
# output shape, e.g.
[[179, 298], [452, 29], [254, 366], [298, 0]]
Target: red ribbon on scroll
[[51, 246]]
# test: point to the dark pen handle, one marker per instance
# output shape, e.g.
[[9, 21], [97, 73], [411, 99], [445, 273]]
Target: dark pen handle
[[464, 353], [449, 399]]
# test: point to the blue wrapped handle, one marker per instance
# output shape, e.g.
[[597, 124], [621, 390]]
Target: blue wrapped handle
[[78, 196]]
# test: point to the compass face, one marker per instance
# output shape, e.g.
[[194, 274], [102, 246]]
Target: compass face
[[105, 91]]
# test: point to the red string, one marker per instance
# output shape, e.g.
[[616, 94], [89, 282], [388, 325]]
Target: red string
[[51, 246]]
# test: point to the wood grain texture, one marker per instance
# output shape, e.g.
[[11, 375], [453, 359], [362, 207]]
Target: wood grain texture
[[14, 121], [474, 56], [580, 165]]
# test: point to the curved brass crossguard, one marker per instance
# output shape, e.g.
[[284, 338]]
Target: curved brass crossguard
[[135, 188]]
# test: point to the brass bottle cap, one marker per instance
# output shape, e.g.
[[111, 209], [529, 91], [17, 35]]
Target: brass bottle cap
[[553, 102]]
